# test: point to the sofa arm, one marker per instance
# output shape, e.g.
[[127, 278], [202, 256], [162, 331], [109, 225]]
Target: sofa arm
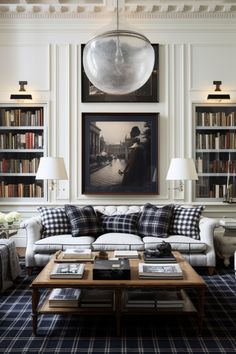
[[207, 227], [33, 228]]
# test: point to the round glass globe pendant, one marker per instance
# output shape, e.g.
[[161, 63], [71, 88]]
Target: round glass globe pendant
[[118, 62]]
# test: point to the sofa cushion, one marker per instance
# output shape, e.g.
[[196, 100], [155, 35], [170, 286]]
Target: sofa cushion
[[83, 220], [185, 221], [54, 221], [124, 223], [121, 241], [155, 221], [61, 242], [178, 243]]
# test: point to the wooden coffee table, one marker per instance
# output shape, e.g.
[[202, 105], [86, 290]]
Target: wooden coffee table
[[190, 280]]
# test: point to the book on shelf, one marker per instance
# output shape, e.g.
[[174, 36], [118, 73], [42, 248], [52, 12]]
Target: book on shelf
[[169, 299], [160, 271], [96, 298], [162, 258], [139, 298], [76, 253], [64, 297], [126, 254], [67, 271]]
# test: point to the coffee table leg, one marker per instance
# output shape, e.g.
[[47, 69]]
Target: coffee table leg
[[118, 294], [201, 308], [35, 302]]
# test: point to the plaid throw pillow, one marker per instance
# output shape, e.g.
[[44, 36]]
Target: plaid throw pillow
[[83, 220], [185, 221], [155, 221], [124, 223], [54, 221]]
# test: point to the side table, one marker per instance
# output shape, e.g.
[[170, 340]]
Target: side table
[[226, 243]]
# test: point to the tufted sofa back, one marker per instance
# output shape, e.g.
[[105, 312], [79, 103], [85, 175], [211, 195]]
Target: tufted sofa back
[[118, 210]]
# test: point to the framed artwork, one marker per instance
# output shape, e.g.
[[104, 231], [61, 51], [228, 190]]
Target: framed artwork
[[149, 92], [120, 153]]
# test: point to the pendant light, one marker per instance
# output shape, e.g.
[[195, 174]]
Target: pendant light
[[118, 62]]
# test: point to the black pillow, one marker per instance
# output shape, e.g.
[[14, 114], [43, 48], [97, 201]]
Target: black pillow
[[54, 221], [123, 223], [185, 221], [155, 221], [83, 220]]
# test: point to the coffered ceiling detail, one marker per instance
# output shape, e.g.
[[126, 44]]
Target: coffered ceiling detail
[[130, 8]]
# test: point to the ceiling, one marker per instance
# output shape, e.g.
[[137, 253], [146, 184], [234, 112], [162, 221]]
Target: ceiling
[[140, 8]]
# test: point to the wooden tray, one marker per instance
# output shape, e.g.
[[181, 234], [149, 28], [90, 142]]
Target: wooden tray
[[59, 259]]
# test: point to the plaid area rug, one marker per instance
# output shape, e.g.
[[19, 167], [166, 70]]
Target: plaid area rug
[[94, 334]]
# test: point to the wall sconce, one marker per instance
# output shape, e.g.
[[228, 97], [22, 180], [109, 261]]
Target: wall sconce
[[21, 96], [181, 169], [51, 168], [218, 96]]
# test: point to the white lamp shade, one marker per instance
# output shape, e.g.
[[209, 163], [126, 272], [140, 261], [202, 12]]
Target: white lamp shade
[[51, 168], [182, 169]]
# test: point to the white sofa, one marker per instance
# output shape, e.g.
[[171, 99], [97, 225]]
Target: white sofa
[[198, 252]]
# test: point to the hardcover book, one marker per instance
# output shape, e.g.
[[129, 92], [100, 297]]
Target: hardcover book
[[161, 271], [71, 253], [96, 298], [67, 271], [162, 258], [111, 269], [64, 297], [126, 254]]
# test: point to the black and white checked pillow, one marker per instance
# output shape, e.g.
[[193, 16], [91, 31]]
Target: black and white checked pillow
[[155, 221], [54, 221], [185, 221], [123, 223], [83, 220]]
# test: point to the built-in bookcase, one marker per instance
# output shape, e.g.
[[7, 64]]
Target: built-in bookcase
[[215, 152], [22, 143]]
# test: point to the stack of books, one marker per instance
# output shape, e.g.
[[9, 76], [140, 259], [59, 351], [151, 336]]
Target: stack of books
[[67, 297], [67, 271], [96, 298], [126, 254], [162, 258], [140, 298], [160, 271], [76, 253], [169, 299]]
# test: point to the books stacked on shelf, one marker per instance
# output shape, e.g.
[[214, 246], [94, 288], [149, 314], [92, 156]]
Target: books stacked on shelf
[[19, 165], [160, 271], [126, 254], [64, 297], [76, 253], [162, 258], [140, 298], [96, 298], [169, 299], [20, 190], [21, 117], [67, 271], [25, 140]]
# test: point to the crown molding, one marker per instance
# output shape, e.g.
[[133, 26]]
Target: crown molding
[[133, 9]]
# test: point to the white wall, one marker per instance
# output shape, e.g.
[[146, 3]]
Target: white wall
[[47, 54]]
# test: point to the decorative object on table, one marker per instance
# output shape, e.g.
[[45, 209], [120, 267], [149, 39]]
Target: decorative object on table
[[149, 92], [160, 271], [51, 168], [111, 269], [162, 254], [102, 255], [181, 169], [10, 219], [119, 61], [125, 158], [67, 271], [64, 297]]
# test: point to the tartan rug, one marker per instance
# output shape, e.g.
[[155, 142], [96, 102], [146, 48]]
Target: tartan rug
[[140, 334]]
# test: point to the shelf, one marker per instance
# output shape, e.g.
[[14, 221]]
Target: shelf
[[215, 128], [17, 174], [215, 150], [30, 127], [22, 150]]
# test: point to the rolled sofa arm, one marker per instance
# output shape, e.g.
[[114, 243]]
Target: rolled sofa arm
[[207, 227], [33, 228]]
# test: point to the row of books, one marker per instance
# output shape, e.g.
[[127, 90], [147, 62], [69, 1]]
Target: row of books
[[18, 117], [219, 119], [20, 190], [214, 191], [28, 140], [216, 140], [92, 298], [215, 166], [19, 165]]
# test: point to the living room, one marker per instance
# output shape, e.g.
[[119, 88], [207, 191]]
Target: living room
[[42, 44]]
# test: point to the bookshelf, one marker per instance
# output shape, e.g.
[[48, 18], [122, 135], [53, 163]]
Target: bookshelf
[[215, 152], [22, 143]]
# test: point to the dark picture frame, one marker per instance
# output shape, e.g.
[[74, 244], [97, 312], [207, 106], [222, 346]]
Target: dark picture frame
[[149, 92], [120, 153]]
